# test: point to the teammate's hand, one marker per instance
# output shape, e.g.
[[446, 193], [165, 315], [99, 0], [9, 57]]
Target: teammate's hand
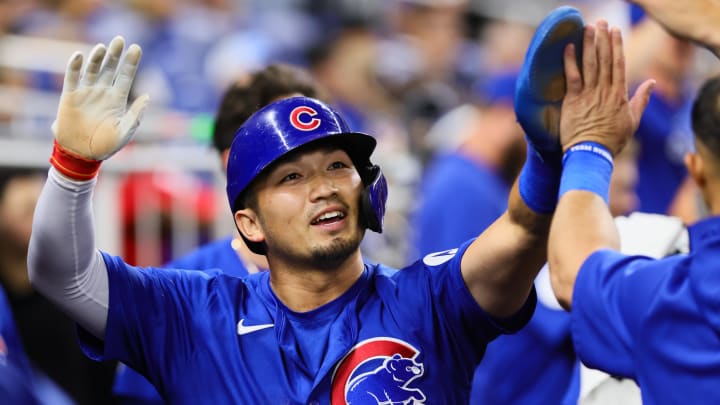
[[93, 120], [596, 106], [695, 20]]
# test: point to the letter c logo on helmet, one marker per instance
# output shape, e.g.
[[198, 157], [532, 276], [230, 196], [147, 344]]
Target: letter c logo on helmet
[[299, 121]]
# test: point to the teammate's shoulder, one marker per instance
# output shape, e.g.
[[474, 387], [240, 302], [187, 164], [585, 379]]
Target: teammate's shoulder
[[217, 254], [203, 253]]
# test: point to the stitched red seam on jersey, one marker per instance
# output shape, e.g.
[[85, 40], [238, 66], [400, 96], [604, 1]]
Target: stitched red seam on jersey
[[72, 165]]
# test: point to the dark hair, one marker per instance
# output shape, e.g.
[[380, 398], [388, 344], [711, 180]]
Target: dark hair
[[241, 100], [706, 115]]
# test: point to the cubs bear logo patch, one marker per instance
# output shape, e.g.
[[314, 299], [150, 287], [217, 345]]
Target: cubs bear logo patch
[[378, 371]]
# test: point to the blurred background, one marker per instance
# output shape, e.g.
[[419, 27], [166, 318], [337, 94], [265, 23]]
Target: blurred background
[[426, 77], [393, 67]]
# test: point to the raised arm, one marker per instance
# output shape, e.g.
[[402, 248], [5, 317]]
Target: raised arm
[[597, 120], [696, 20], [500, 266], [93, 122]]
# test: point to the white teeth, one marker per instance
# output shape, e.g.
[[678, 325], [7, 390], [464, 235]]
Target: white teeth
[[329, 215]]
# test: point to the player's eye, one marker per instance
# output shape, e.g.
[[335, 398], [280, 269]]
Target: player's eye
[[338, 165], [290, 177]]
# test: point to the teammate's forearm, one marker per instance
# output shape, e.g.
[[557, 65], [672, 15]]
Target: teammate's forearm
[[581, 226], [63, 263], [582, 222]]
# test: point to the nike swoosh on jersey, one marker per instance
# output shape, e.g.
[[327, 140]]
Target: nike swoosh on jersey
[[244, 330]]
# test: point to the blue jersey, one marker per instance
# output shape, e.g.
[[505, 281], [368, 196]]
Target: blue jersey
[[214, 255], [16, 376], [664, 136], [394, 336], [536, 365], [132, 387], [656, 321], [459, 199]]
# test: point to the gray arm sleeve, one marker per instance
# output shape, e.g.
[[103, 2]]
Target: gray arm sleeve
[[63, 262]]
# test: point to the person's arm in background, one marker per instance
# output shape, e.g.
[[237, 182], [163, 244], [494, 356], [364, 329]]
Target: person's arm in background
[[93, 122], [582, 223], [696, 20], [644, 41]]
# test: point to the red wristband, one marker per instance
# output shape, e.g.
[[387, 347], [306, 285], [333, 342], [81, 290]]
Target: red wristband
[[72, 165]]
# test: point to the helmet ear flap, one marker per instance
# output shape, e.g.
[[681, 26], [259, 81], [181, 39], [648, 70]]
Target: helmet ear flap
[[374, 198]]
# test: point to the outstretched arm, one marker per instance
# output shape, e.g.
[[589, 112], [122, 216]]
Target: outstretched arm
[[500, 266], [92, 124], [696, 20], [597, 120]]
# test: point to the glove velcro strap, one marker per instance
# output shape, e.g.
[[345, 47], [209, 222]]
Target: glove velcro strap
[[72, 165]]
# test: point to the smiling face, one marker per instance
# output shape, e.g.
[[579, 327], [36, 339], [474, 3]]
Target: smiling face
[[306, 208]]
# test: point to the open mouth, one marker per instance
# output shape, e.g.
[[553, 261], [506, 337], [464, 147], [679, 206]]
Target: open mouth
[[328, 218]]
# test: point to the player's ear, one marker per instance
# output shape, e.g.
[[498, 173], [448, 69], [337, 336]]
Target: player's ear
[[695, 167], [248, 224]]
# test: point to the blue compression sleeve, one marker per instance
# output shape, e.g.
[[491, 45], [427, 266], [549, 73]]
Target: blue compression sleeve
[[539, 182]]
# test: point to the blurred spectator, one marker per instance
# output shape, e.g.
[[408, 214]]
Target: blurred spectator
[[47, 334], [480, 152], [344, 67], [62, 19], [664, 135], [13, 12], [418, 63], [177, 37]]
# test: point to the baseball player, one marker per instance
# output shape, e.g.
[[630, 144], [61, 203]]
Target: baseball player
[[321, 326], [229, 254], [655, 321]]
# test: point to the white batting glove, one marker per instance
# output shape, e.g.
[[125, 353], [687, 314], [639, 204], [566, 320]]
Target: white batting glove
[[93, 121]]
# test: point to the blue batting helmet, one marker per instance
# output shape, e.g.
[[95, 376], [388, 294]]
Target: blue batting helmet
[[288, 124]]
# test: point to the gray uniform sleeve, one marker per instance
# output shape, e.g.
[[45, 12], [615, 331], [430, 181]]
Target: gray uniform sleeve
[[63, 262]]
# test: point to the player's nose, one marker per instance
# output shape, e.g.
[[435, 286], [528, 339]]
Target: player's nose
[[322, 186]]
